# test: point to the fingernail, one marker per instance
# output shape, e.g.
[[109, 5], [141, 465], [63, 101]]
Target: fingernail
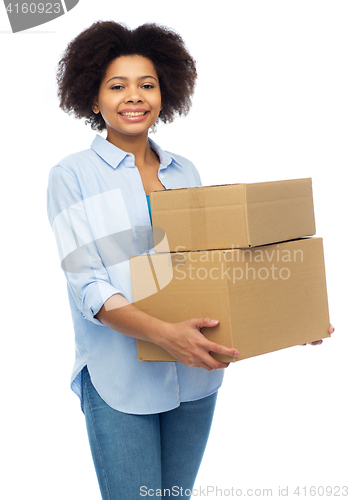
[[214, 321], [236, 354]]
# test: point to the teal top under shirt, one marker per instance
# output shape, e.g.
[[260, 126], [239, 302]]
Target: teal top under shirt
[[149, 206]]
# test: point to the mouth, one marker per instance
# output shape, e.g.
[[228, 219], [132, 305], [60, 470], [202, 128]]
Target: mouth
[[133, 114]]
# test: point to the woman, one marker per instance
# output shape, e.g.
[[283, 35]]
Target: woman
[[147, 423]]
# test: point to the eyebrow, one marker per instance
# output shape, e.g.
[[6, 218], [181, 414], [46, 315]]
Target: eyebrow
[[125, 78]]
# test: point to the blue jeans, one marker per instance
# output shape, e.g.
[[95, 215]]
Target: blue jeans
[[144, 456]]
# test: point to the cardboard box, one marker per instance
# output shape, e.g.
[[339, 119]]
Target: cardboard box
[[266, 298], [233, 215]]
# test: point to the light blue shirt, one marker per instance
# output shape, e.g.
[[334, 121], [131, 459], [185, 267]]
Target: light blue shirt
[[95, 196]]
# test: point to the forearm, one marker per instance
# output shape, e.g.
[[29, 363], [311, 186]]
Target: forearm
[[182, 340], [120, 315]]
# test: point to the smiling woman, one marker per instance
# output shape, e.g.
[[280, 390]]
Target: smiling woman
[[147, 422]]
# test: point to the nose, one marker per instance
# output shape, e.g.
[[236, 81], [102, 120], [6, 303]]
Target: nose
[[133, 95]]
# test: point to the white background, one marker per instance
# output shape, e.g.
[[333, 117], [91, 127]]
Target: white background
[[272, 102]]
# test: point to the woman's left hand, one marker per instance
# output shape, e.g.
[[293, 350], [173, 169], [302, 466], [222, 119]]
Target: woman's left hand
[[318, 342]]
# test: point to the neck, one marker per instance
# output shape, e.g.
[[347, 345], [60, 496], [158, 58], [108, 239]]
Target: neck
[[138, 146]]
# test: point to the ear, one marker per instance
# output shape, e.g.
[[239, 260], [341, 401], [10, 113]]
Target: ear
[[95, 107]]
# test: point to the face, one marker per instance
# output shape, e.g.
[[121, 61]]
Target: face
[[129, 98]]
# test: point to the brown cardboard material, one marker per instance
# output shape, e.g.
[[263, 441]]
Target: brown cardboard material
[[233, 215], [266, 298]]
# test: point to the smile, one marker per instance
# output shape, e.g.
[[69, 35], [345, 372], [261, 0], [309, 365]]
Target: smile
[[132, 114]]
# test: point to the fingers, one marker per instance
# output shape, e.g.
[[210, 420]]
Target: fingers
[[209, 363], [319, 342], [201, 357], [203, 322], [214, 363], [214, 347], [210, 322], [186, 343], [209, 366], [221, 349], [316, 342]]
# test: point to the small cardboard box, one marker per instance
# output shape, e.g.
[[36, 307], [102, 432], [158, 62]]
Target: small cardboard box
[[233, 215], [266, 298]]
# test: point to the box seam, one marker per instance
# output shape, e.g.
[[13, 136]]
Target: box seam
[[229, 308], [246, 215]]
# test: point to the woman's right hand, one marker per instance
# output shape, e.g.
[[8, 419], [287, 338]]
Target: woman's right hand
[[186, 343]]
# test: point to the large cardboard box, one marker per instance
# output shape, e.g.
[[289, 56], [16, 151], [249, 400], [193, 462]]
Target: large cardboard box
[[233, 215], [266, 298]]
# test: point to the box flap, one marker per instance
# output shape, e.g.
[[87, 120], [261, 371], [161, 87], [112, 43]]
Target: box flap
[[197, 218]]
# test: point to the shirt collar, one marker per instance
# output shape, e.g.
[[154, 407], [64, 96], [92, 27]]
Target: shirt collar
[[114, 156]]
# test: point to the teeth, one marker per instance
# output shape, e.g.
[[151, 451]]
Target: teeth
[[132, 113]]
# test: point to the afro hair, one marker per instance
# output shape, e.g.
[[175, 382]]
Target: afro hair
[[87, 57]]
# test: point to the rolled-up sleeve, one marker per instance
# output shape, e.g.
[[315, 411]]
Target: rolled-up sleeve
[[88, 279]]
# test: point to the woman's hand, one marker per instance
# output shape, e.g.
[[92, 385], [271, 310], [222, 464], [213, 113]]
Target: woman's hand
[[183, 340], [187, 344], [318, 342]]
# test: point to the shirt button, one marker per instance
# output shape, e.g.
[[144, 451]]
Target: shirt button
[[161, 176]]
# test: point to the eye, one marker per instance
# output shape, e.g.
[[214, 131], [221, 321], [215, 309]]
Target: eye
[[147, 86], [117, 87]]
